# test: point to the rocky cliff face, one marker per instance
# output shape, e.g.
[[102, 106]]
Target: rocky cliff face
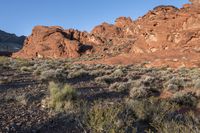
[[10, 42], [165, 35]]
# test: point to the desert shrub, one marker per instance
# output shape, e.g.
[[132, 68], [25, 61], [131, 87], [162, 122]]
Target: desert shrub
[[48, 75], [163, 116], [190, 124], [186, 99], [138, 92], [197, 84], [107, 71], [107, 79], [107, 117], [117, 73], [44, 66], [120, 86], [61, 96], [78, 74], [4, 60], [174, 127], [37, 72], [4, 80], [172, 88], [23, 62], [96, 73], [152, 84], [178, 82], [25, 69], [101, 119], [151, 109]]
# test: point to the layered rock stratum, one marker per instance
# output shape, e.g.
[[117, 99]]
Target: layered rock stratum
[[165, 36]]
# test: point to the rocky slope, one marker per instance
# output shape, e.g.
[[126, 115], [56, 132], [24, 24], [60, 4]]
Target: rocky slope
[[10, 42], [166, 35]]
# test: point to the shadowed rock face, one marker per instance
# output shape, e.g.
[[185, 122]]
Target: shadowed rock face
[[10, 43], [166, 35]]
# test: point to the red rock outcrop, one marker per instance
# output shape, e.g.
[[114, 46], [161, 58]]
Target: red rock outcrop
[[166, 35], [54, 42]]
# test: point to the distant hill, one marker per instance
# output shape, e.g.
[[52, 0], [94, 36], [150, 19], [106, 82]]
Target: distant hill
[[10, 42]]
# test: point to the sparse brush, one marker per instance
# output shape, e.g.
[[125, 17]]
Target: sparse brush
[[4, 80], [23, 62], [172, 88], [179, 82], [186, 99], [61, 96], [117, 73], [151, 110], [48, 75], [96, 73], [37, 72], [25, 69], [78, 74], [138, 92], [106, 79], [120, 86], [103, 118], [4, 60], [189, 125], [197, 84]]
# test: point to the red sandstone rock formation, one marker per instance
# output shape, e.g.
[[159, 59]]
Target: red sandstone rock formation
[[54, 42], [164, 36]]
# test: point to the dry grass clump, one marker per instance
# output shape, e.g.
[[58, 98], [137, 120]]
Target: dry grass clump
[[61, 97], [105, 117]]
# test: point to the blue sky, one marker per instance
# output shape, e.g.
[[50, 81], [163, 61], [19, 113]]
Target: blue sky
[[20, 16]]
